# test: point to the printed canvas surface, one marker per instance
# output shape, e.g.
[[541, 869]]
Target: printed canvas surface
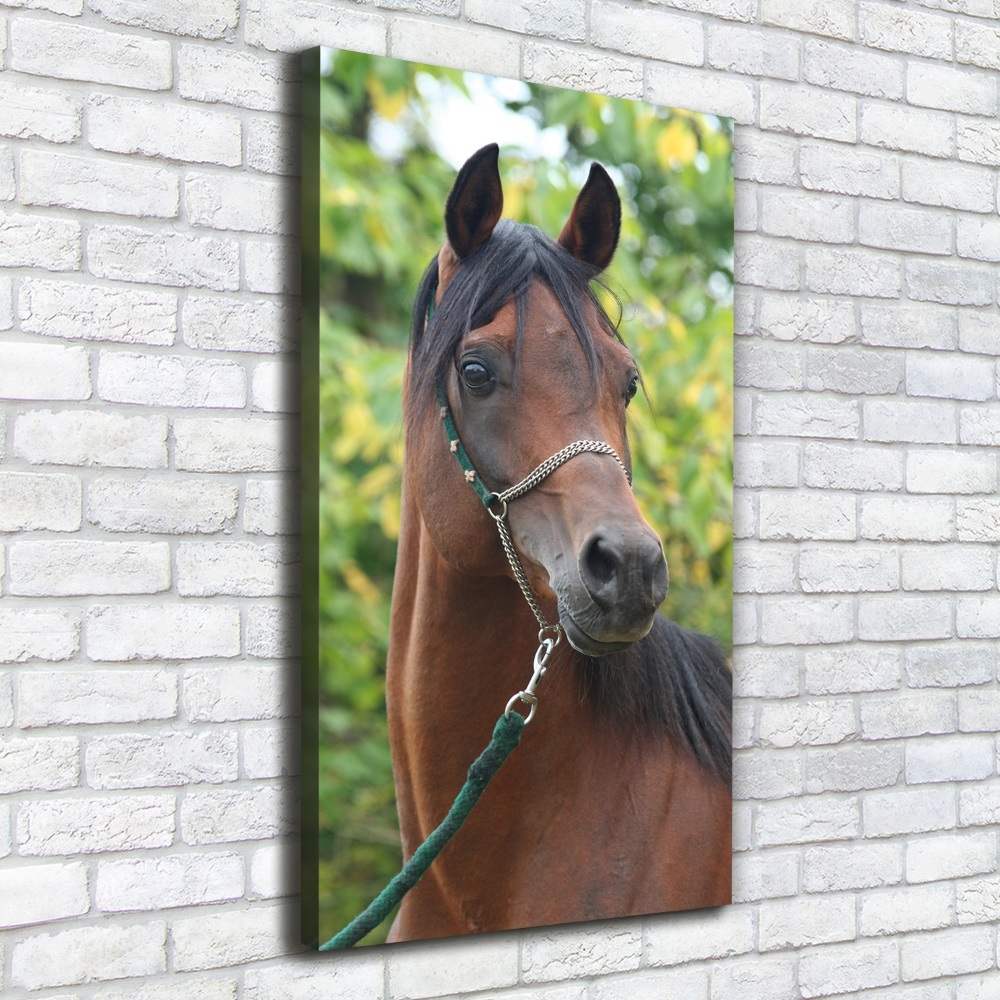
[[517, 497]]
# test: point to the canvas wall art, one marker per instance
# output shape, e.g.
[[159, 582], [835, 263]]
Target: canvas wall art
[[517, 497]]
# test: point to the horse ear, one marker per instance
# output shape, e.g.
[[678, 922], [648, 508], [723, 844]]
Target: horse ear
[[591, 232], [475, 202]]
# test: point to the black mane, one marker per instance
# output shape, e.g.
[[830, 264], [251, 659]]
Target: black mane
[[673, 681], [499, 271]]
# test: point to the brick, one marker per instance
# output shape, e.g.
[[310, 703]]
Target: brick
[[798, 922], [817, 320], [765, 263], [895, 619], [89, 954], [911, 31], [767, 364], [161, 882], [859, 668], [834, 19], [242, 204], [71, 7], [911, 810], [977, 44], [949, 282], [97, 312], [809, 723], [6, 721], [978, 239], [645, 985], [802, 216], [891, 519], [71, 52], [228, 694], [853, 768], [852, 271], [954, 665], [906, 229], [808, 111], [978, 331], [811, 415], [799, 621], [43, 371], [159, 380], [172, 131], [897, 911], [161, 504], [567, 22], [753, 51], [67, 568], [979, 804], [907, 715], [37, 894], [482, 51], [919, 423], [272, 147], [965, 568], [766, 463], [976, 519], [851, 467], [979, 425], [269, 752], [762, 978], [978, 617], [950, 472], [221, 444], [655, 34], [126, 253], [71, 697], [804, 515], [361, 978], [271, 267], [595, 952], [891, 126], [767, 159], [949, 952], [229, 815], [47, 501], [270, 508], [853, 568], [710, 934], [948, 185], [847, 969], [181, 987], [759, 673], [978, 902], [709, 92], [852, 68], [38, 763], [897, 325], [79, 437], [765, 875], [267, 25], [853, 370], [40, 241], [176, 758], [271, 633], [743, 715], [848, 171], [95, 825], [950, 758], [243, 569], [764, 569], [979, 710], [242, 79], [219, 324], [275, 387], [36, 633], [950, 377], [27, 111], [268, 876], [977, 142], [93, 185], [201, 18], [763, 774], [170, 631], [934, 86]]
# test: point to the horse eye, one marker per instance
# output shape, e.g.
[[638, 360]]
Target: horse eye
[[476, 375], [633, 388]]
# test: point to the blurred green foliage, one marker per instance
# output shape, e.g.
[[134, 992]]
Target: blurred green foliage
[[382, 193]]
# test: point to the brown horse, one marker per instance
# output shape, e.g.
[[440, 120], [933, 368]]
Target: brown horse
[[618, 801]]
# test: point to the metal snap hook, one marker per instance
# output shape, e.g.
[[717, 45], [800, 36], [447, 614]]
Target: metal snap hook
[[503, 510]]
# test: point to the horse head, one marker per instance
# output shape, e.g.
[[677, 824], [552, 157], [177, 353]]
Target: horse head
[[508, 330]]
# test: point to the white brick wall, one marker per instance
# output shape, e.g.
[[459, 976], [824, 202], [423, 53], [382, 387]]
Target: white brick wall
[[148, 446]]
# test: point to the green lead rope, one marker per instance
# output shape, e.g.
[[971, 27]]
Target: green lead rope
[[506, 736]]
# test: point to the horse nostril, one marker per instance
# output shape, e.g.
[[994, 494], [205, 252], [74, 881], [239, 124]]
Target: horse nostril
[[600, 564]]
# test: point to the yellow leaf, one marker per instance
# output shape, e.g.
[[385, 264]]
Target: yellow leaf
[[718, 534], [389, 106], [676, 145], [360, 583]]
